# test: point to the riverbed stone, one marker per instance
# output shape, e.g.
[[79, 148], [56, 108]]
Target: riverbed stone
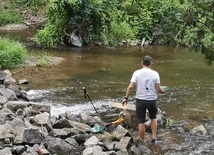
[[15, 105], [6, 132], [124, 143], [106, 136], [123, 152], [23, 81], [120, 132], [61, 147], [12, 27], [92, 141], [62, 123], [71, 131], [89, 120], [140, 149], [59, 133], [19, 136], [18, 149], [8, 80], [32, 136], [5, 151], [70, 116], [80, 126], [40, 108], [43, 118], [3, 100], [199, 130], [9, 94], [93, 150], [209, 125], [81, 138]]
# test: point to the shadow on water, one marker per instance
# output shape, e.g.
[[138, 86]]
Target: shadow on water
[[105, 73]]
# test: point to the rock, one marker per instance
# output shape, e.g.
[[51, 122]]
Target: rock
[[62, 123], [8, 80], [71, 116], [81, 138], [5, 151], [9, 94], [43, 152], [23, 81], [61, 147], [32, 136], [123, 152], [120, 132], [3, 100], [209, 124], [43, 118], [59, 133], [95, 150], [15, 105], [18, 149], [6, 132], [140, 150], [199, 130], [92, 141], [124, 143], [86, 119], [11, 27]]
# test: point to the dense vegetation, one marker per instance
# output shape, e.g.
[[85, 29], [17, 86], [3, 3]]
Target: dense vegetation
[[12, 53], [167, 22], [9, 16]]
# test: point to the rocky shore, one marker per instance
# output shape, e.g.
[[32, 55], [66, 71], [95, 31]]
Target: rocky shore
[[28, 128]]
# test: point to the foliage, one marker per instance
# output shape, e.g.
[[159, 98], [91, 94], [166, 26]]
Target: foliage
[[8, 16], [12, 53], [168, 22], [191, 26], [118, 30], [33, 5], [169, 122]]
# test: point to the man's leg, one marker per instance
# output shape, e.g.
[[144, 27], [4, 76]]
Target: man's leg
[[141, 129], [154, 128]]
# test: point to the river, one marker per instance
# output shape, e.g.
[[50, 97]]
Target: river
[[106, 72]]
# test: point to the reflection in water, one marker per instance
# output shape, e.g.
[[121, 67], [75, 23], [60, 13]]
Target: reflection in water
[[106, 73]]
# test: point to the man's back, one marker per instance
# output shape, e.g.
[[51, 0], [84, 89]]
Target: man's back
[[145, 80]]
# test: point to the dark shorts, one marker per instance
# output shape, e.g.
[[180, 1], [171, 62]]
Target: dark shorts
[[142, 105]]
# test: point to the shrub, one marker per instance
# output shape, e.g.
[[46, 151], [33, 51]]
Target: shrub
[[8, 16], [12, 53]]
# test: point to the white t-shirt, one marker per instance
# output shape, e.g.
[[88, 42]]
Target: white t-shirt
[[145, 80]]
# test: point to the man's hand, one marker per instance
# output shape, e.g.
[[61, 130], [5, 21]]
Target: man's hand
[[124, 102]]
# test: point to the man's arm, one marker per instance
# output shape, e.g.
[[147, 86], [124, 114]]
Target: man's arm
[[128, 91], [159, 89]]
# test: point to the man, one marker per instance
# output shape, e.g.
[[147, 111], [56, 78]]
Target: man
[[147, 83]]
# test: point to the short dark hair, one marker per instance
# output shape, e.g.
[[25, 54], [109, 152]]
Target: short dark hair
[[147, 60]]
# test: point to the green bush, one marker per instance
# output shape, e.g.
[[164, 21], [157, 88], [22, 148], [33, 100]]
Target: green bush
[[8, 16], [12, 53], [33, 5]]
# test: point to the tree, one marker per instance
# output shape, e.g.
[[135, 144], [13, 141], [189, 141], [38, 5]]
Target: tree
[[168, 22], [192, 27]]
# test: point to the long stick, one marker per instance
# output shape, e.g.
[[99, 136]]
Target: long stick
[[86, 93]]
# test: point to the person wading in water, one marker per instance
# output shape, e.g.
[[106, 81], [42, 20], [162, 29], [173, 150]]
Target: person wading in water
[[147, 82]]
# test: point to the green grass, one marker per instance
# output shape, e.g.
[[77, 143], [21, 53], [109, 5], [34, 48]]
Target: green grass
[[9, 16], [12, 53]]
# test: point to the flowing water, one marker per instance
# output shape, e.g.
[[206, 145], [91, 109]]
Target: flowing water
[[106, 72]]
